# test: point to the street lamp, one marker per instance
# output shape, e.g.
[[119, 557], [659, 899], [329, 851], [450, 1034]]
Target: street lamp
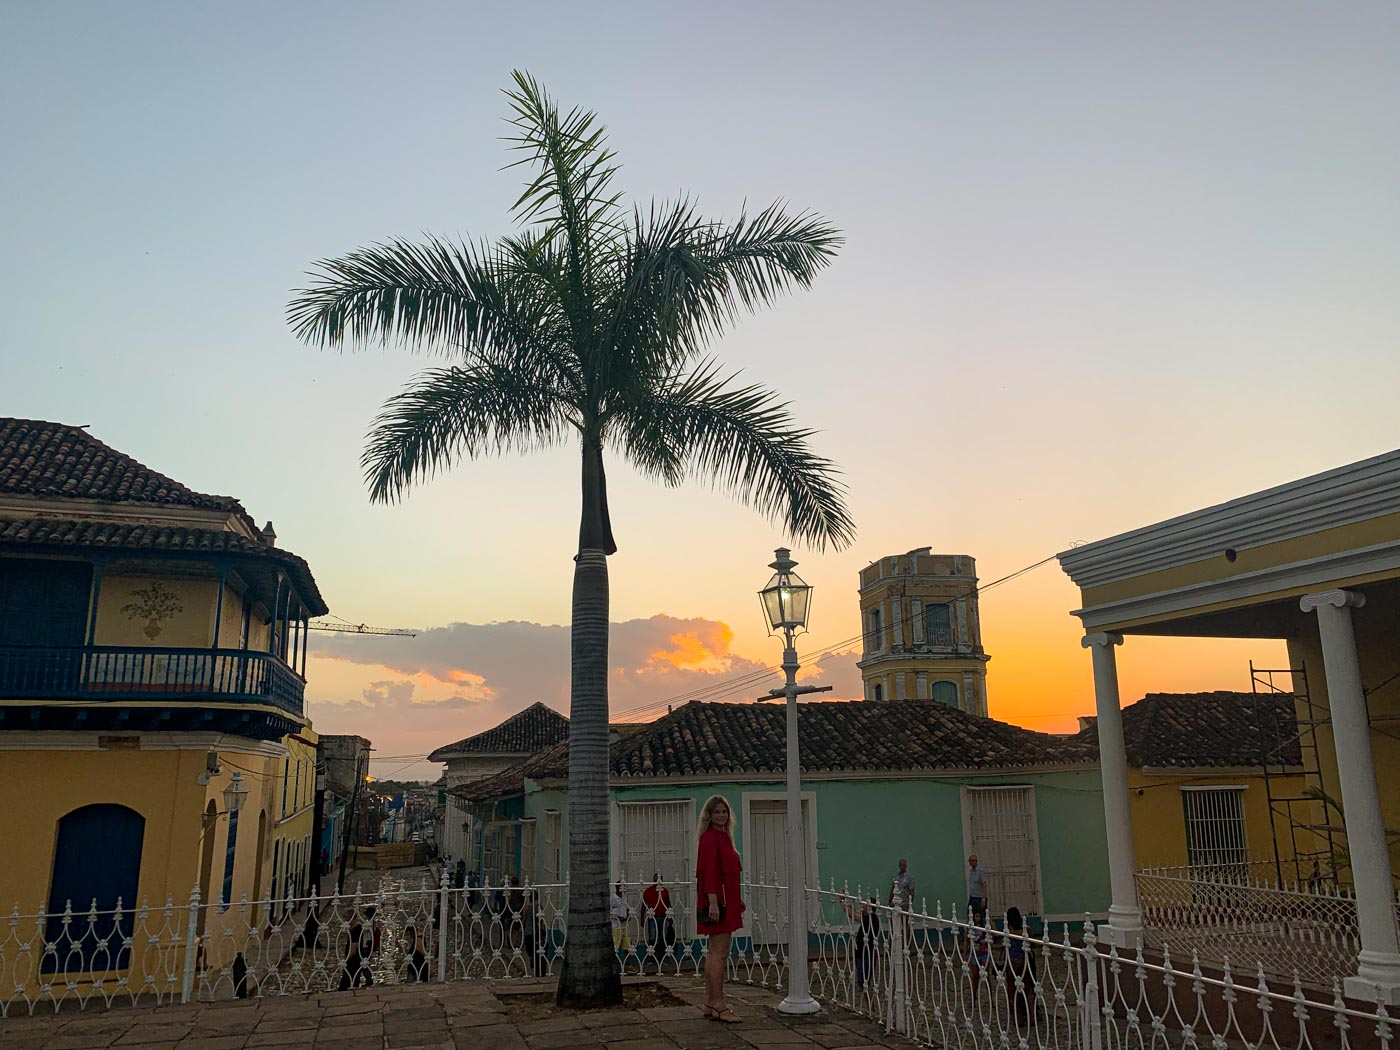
[[786, 601], [234, 794]]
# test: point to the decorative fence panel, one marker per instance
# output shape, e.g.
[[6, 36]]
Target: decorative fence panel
[[937, 979], [1310, 931]]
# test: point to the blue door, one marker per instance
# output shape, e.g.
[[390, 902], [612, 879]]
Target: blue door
[[98, 858]]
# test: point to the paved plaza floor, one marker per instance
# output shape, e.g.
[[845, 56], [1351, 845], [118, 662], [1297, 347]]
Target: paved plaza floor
[[459, 1016]]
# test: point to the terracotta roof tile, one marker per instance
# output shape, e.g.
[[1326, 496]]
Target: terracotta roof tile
[[524, 733], [39, 458], [742, 740], [1195, 730]]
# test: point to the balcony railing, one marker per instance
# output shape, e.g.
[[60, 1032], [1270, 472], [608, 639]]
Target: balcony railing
[[118, 672]]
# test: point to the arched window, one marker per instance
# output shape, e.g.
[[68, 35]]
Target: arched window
[[97, 859], [946, 693]]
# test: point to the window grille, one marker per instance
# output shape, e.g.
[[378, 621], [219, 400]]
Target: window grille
[[938, 625], [1216, 847]]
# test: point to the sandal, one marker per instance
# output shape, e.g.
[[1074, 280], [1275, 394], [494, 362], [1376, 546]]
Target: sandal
[[708, 1012], [733, 1018]]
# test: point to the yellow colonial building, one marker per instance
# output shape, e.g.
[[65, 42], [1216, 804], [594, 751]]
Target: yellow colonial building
[[923, 635], [152, 658], [1315, 563], [1210, 779]]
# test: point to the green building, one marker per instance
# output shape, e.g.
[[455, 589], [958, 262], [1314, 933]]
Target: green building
[[918, 780]]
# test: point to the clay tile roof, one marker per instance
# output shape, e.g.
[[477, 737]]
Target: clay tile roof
[[525, 733], [1196, 730], [38, 458], [856, 736]]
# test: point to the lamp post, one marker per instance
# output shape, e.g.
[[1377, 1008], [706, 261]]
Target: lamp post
[[786, 602], [234, 794]]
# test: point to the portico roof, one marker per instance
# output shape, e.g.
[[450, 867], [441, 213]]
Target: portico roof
[[1238, 568]]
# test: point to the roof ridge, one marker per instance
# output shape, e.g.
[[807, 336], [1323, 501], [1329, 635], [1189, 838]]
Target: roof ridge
[[23, 441]]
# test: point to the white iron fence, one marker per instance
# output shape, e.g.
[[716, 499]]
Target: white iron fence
[[947, 983], [1305, 929], [935, 978]]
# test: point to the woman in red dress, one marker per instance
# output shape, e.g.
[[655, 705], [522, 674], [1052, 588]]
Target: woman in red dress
[[720, 911]]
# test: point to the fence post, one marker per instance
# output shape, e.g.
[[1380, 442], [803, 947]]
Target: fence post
[[895, 1016], [191, 946], [1091, 1022], [443, 910]]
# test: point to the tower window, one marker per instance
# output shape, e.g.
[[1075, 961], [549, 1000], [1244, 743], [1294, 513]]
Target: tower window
[[946, 693], [877, 691], [938, 625], [874, 641]]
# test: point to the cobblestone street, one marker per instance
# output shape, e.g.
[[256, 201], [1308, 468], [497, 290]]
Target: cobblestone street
[[443, 1017]]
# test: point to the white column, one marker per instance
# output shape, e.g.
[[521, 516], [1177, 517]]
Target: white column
[[916, 613], [1124, 916], [899, 686], [1378, 964]]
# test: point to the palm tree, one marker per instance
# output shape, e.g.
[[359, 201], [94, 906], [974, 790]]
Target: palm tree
[[588, 325]]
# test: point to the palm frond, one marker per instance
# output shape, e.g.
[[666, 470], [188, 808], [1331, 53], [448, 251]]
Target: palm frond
[[686, 278], [572, 189], [448, 413], [433, 296], [743, 439]]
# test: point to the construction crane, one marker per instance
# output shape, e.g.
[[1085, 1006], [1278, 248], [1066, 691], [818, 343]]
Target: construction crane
[[359, 628]]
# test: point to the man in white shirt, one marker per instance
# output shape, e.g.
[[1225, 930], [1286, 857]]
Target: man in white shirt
[[976, 886]]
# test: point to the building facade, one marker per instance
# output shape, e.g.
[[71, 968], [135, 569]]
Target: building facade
[[1207, 777], [152, 652], [922, 631], [920, 781], [521, 736], [1314, 563]]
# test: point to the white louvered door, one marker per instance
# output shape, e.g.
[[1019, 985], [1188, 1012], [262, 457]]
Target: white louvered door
[[1000, 830]]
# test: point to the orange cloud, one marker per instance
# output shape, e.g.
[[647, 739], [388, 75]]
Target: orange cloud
[[690, 652]]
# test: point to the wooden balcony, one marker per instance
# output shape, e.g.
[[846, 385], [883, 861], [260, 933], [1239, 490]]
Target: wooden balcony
[[113, 675]]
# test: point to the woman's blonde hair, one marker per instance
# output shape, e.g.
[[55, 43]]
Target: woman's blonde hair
[[710, 804]]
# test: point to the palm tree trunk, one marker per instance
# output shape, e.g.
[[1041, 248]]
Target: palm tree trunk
[[590, 976], [595, 526]]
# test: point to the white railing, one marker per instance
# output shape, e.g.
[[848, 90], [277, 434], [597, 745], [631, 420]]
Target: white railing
[[944, 982], [932, 977], [1307, 930]]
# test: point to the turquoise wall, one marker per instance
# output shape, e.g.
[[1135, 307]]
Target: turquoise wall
[[863, 828]]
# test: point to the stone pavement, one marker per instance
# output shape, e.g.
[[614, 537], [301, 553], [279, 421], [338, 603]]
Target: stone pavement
[[461, 1016]]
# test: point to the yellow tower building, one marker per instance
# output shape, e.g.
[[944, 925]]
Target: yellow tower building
[[923, 636]]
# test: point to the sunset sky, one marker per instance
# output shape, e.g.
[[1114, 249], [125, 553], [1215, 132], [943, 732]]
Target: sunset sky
[[1105, 263]]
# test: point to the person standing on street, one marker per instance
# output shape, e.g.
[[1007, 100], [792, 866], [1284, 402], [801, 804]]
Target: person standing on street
[[976, 886], [719, 908], [620, 913], [902, 888]]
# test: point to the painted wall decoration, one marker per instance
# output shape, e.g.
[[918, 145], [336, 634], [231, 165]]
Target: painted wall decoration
[[155, 605]]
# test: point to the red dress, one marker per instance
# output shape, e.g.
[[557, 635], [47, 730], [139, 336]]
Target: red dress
[[717, 871]]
